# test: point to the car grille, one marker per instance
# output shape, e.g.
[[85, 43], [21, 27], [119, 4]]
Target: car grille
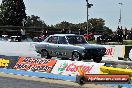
[[96, 50]]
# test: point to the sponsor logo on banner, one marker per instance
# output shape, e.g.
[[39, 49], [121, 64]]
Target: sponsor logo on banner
[[109, 51], [106, 78], [114, 51], [35, 64], [71, 67], [74, 68], [4, 63]]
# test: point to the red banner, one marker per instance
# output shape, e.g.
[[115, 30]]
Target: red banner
[[106, 78], [35, 64]]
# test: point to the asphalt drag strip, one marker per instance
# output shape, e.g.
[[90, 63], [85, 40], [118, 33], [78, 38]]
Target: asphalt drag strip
[[18, 81]]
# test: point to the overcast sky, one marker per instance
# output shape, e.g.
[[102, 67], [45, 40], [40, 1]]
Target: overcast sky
[[74, 11]]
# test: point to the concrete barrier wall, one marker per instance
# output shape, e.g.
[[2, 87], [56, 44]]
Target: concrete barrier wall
[[48, 68], [61, 67], [58, 69]]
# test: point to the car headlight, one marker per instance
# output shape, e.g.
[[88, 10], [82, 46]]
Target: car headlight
[[103, 50], [85, 51]]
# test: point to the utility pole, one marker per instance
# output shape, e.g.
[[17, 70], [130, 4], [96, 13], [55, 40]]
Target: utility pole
[[88, 6], [119, 23]]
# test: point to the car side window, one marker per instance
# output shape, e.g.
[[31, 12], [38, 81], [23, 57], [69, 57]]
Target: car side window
[[62, 40], [53, 39]]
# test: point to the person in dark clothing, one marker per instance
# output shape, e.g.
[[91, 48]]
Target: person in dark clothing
[[120, 34], [63, 31], [23, 34], [0, 35], [125, 33]]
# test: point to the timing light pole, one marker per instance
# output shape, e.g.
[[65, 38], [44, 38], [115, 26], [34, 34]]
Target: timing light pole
[[88, 6]]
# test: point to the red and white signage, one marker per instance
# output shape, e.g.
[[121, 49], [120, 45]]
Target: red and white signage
[[35, 64], [114, 51], [66, 67]]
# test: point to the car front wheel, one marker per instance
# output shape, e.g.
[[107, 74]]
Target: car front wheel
[[76, 56], [45, 54], [97, 59]]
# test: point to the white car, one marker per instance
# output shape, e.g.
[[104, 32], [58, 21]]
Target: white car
[[130, 55]]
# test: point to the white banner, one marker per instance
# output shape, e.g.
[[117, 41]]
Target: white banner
[[114, 51], [66, 67]]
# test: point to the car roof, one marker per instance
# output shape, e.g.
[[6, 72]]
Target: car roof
[[65, 35]]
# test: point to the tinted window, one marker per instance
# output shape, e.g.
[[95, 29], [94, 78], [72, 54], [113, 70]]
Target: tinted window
[[76, 40], [53, 39], [62, 40]]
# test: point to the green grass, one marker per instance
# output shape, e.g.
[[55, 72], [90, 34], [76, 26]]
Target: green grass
[[125, 42], [92, 42]]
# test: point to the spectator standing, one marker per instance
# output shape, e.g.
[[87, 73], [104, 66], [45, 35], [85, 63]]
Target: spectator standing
[[70, 31], [41, 37], [0, 35], [125, 33], [130, 34], [63, 31], [23, 34], [120, 34], [45, 33]]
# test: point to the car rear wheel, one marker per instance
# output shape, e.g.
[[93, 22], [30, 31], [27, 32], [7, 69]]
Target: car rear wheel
[[76, 56], [45, 54], [97, 59]]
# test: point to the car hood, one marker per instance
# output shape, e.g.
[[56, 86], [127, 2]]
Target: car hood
[[91, 46]]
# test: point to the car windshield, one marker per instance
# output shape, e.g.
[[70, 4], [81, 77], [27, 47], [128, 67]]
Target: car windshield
[[76, 40]]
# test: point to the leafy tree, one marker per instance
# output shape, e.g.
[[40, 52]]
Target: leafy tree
[[63, 25], [96, 24], [35, 21], [107, 30], [67, 25], [1, 21], [12, 12]]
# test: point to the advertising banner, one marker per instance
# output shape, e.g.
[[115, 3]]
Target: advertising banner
[[66, 67], [4, 63], [114, 51], [107, 78], [8, 61], [35, 64]]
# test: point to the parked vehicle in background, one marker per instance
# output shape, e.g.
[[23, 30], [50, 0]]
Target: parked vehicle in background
[[69, 46], [4, 38]]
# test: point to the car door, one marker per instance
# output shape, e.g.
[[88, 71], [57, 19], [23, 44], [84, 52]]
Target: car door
[[72, 45], [62, 47], [52, 47]]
